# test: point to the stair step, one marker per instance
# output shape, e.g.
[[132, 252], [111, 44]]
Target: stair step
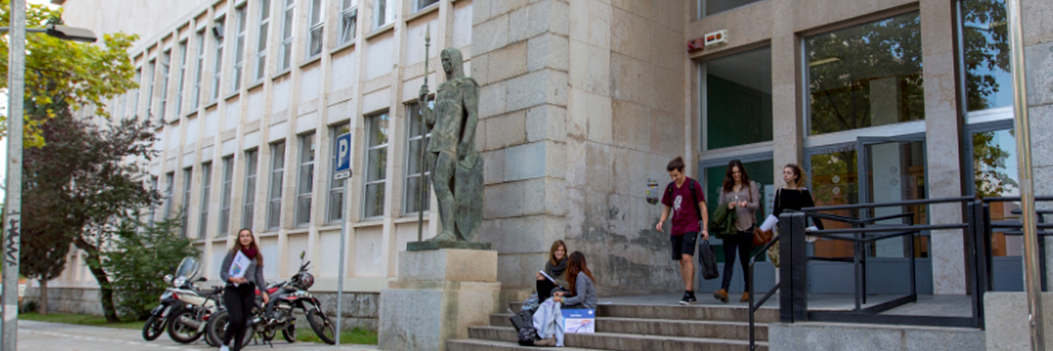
[[684, 313], [492, 345], [667, 327], [623, 342]]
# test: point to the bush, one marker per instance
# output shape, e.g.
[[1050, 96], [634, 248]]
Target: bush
[[29, 306], [143, 253]]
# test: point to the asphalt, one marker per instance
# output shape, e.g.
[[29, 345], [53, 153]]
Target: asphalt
[[43, 336]]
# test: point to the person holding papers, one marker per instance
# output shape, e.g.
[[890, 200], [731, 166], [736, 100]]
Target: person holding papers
[[582, 284], [551, 277], [794, 196], [242, 269]]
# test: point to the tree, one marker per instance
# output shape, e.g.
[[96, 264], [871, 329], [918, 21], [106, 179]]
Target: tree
[[141, 255], [73, 73], [93, 174]]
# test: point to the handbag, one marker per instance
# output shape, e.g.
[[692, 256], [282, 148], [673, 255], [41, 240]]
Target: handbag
[[708, 259], [761, 237]]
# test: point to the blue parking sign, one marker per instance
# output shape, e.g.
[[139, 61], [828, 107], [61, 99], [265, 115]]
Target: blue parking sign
[[343, 153]]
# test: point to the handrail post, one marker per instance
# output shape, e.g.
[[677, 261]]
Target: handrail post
[[793, 296]]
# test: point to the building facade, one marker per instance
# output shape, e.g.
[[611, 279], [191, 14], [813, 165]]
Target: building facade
[[583, 102]]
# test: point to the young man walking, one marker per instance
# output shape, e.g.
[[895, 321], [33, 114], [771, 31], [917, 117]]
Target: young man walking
[[688, 204]]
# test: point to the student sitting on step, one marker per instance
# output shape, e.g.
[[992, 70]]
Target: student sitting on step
[[555, 267], [581, 283]]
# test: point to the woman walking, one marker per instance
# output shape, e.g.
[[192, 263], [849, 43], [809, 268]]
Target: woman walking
[[740, 194], [794, 196], [239, 295]]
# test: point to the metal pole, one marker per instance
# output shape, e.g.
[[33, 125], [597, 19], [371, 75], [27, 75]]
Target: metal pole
[[13, 203], [1027, 190], [422, 181], [343, 247]]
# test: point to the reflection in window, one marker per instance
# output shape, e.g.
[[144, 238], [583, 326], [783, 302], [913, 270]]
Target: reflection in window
[[412, 201], [348, 20], [377, 164], [865, 76], [738, 105], [383, 13], [995, 174], [986, 54], [420, 4], [712, 7]]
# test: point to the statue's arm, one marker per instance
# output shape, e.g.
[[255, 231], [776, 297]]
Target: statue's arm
[[471, 106]]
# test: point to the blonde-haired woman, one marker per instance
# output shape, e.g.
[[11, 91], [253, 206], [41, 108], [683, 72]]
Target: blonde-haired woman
[[239, 295]]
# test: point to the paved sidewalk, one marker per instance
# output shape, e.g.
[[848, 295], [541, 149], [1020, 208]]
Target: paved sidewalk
[[43, 336]]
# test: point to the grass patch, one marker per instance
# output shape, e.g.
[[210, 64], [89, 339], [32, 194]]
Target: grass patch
[[357, 336], [79, 319]]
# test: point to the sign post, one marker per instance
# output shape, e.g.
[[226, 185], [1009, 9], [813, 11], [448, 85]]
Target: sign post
[[342, 171]]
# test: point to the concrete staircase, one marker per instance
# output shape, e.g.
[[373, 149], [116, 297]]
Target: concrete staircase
[[635, 327]]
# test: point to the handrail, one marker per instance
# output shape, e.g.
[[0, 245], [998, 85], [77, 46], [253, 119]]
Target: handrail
[[890, 229], [865, 240], [749, 288], [890, 204], [1014, 198]]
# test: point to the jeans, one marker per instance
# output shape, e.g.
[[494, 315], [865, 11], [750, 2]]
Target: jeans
[[743, 243], [239, 301]]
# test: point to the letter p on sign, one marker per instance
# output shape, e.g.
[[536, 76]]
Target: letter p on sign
[[343, 157]]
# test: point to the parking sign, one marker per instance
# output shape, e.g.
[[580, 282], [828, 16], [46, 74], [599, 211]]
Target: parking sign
[[343, 156]]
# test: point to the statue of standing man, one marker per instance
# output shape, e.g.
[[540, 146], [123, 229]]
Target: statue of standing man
[[457, 168]]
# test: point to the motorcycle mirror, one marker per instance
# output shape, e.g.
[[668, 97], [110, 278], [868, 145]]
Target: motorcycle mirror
[[302, 253]]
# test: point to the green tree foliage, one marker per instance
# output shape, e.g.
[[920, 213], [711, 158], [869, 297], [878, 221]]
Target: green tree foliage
[[141, 255], [76, 74]]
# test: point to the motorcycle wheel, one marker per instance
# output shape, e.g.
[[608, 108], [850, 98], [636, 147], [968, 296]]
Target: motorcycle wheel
[[179, 331], [217, 326], [153, 328], [289, 333], [322, 326]]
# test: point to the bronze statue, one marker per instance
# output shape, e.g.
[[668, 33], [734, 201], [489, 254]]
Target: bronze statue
[[457, 168]]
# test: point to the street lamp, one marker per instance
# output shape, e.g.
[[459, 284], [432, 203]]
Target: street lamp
[[13, 205]]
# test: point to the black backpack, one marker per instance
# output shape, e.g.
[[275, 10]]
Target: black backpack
[[524, 324], [694, 196]]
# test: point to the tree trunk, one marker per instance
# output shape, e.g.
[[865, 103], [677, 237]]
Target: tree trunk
[[43, 297], [105, 290]]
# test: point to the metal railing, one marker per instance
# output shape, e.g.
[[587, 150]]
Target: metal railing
[[749, 288], [1014, 228]]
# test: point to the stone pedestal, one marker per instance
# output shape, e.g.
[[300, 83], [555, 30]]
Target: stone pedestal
[[438, 295]]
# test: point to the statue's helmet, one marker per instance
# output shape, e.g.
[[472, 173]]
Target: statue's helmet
[[456, 61]]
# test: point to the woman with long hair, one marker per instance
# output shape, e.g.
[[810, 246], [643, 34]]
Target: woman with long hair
[[555, 267], [739, 193], [239, 295], [581, 283], [794, 196]]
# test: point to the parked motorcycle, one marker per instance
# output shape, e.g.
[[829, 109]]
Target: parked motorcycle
[[159, 316], [187, 324], [285, 297]]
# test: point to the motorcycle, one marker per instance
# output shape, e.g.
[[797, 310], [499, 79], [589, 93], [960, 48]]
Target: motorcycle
[[159, 316], [187, 323], [285, 297]]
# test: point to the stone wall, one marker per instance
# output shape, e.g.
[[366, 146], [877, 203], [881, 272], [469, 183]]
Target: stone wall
[[867, 337], [68, 300], [1005, 320]]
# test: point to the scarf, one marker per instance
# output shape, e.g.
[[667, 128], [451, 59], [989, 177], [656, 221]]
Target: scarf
[[250, 252], [557, 270]]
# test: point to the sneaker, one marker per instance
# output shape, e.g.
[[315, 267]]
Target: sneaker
[[224, 348], [721, 295], [689, 298]]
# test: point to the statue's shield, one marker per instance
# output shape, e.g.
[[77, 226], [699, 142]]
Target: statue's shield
[[468, 192]]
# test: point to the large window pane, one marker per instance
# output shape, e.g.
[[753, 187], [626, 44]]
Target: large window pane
[[416, 142], [867, 75], [274, 205], [206, 190], [986, 54], [224, 199], [305, 180], [995, 174], [249, 205], [738, 105], [376, 164], [712, 7]]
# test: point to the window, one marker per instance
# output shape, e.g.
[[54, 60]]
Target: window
[[377, 164], [314, 29], [198, 75], [138, 82], [182, 77], [348, 20], [249, 206], [737, 104], [336, 186], [305, 180], [864, 76], [169, 187], [154, 185], [712, 7], [187, 183], [206, 189], [261, 43], [166, 62], [150, 89], [421, 4], [412, 198], [274, 197], [217, 76], [224, 199], [285, 60], [383, 13], [239, 48], [985, 39], [759, 167], [995, 173]]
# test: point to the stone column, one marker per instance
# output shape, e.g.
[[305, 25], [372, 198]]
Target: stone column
[[942, 139], [1038, 51], [787, 118]]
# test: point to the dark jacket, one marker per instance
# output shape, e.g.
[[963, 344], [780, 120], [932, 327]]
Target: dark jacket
[[722, 223]]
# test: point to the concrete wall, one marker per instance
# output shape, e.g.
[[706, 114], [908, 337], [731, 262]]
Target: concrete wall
[[68, 300], [1006, 322], [861, 337]]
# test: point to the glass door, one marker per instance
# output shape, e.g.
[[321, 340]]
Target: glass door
[[893, 170]]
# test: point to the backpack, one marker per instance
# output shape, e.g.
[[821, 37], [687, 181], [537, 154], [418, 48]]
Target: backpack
[[524, 324], [694, 196]]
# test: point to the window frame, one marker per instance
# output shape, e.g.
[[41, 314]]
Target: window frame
[[225, 198], [316, 30], [169, 194], [241, 17], [421, 4], [348, 14], [277, 176], [217, 74], [206, 189], [199, 74], [366, 183], [152, 66], [380, 13], [702, 9], [422, 179], [138, 82], [703, 109], [185, 49], [251, 185], [288, 22], [978, 116], [305, 169], [261, 41], [166, 65], [188, 178]]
